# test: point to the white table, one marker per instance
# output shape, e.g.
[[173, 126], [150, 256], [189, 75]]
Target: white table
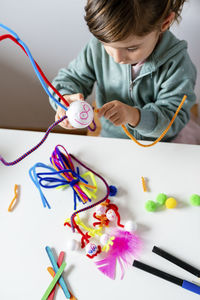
[[170, 168]]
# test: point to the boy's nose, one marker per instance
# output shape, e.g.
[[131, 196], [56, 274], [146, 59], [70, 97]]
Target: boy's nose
[[118, 56]]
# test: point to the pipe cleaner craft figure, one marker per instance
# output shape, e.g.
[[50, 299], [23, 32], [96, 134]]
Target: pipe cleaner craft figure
[[106, 212], [118, 245]]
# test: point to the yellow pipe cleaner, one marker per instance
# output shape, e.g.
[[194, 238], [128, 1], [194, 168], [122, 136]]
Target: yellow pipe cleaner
[[91, 231], [109, 243]]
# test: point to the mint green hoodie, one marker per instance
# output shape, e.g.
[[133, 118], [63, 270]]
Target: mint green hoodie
[[157, 91]]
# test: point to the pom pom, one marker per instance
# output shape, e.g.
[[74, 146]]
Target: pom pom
[[195, 200], [104, 238], [80, 114], [73, 245], [171, 203], [113, 190], [161, 198], [150, 206], [130, 226]]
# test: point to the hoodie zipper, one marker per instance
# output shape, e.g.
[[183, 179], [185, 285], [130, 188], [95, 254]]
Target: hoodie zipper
[[131, 82]]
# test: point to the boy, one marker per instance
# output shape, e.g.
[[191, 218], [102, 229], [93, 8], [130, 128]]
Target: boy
[[140, 68]]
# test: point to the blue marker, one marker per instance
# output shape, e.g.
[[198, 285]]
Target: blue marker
[[183, 283]]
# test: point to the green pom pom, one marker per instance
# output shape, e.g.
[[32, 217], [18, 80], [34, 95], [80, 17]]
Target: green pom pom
[[150, 205], [161, 198], [195, 200]]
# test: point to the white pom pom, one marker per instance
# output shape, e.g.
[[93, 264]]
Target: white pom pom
[[130, 226], [72, 245], [104, 239], [110, 215], [80, 114]]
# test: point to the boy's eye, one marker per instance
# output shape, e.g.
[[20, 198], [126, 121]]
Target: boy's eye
[[132, 49]]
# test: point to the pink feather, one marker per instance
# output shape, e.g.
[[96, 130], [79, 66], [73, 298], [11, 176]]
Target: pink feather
[[125, 247]]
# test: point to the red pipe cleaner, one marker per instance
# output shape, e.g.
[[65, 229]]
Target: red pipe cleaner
[[9, 36]]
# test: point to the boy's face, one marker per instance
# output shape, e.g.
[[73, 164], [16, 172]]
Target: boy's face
[[133, 49]]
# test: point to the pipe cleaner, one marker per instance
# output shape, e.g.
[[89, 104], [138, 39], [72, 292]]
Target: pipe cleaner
[[106, 212], [14, 162], [62, 173], [13, 202], [144, 184], [162, 134], [91, 231], [94, 204], [15, 38]]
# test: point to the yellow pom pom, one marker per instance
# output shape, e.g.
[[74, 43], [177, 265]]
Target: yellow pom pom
[[171, 203]]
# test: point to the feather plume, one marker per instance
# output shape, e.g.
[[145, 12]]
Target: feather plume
[[126, 246]]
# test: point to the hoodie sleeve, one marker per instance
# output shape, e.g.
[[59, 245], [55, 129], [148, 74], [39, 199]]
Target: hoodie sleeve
[[79, 77], [177, 78]]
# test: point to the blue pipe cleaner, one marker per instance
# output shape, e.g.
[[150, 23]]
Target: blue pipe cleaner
[[33, 64], [53, 182]]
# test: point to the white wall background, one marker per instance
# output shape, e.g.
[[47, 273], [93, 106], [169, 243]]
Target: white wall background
[[55, 31]]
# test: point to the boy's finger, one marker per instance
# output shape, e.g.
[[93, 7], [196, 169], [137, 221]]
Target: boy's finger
[[75, 97], [102, 111], [59, 116]]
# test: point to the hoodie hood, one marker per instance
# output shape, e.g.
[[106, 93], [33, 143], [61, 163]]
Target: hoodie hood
[[166, 48]]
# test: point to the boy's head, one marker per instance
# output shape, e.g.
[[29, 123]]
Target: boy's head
[[130, 29]]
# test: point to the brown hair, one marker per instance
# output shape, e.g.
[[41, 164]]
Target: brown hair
[[114, 20]]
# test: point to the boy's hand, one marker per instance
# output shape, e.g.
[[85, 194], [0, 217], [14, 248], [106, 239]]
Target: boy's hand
[[119, 113], [61, 112]]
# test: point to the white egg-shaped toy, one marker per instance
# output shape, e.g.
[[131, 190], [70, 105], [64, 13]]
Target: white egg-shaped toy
[[91, 249], [110, 215], [130, 226], [100, 210], [80, 114], [72, 245]]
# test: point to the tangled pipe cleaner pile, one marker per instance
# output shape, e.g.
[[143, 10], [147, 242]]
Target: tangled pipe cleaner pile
[[62, 174]]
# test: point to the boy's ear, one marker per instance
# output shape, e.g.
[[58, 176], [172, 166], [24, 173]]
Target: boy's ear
[[167, 22]]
